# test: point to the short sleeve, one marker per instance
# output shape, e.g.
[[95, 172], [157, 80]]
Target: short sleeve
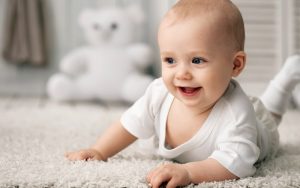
[[139, 118], [237, 150]]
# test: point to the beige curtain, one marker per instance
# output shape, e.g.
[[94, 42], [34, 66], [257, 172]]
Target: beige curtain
[[24, 40]]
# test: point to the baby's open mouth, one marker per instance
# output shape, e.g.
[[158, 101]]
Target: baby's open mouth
[[189, 90]]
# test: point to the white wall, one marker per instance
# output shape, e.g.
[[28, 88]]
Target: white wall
[[297, 27]]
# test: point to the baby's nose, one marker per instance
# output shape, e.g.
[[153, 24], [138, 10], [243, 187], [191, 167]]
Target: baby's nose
[[183, 73]]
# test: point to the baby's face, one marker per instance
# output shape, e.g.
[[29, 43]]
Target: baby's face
[[197, 65]]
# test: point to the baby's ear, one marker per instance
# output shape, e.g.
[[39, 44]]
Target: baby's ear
[[239, 63]]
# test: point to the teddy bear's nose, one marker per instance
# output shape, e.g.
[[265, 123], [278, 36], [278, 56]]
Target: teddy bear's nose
[[114, 26], [96, 26]]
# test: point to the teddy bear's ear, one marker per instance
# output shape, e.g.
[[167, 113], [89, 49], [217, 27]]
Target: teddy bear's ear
[[136, 13], [85, 16]]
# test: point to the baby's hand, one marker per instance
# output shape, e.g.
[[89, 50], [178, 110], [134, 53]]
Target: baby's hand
[[171, 174], [85, 154]]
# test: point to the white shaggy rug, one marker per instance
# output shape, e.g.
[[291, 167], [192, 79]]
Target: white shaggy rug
[[35, 134]]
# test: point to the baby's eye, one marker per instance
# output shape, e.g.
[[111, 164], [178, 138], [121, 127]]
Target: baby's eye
[[169, 60], [198, 60]]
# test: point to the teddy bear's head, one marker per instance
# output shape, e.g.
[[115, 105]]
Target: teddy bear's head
[[111, 25]]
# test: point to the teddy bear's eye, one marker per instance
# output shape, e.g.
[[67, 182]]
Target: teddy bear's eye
[[114, 26]]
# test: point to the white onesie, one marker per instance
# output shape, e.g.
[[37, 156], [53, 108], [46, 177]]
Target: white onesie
[[231, 134]]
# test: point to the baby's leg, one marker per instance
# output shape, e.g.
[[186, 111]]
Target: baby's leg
[[277, 95]]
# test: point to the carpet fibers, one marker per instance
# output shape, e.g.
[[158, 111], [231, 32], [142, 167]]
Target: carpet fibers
[[33, 139]]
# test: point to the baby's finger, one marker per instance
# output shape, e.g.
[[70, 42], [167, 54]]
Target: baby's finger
[[172, 183], [94, 158], [68, 154], [153, 172], [160, 179], [149, 175], [72, 157]]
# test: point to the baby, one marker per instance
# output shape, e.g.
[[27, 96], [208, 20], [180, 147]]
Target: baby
[[198, 113]]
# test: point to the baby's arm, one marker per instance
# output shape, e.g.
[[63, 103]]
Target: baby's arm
[[183, 174], [114, 139]]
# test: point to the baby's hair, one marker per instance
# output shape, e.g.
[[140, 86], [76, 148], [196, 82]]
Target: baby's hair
[[233, 24]]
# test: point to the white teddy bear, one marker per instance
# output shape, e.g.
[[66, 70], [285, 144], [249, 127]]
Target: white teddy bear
[[296, 96], [110, 67]]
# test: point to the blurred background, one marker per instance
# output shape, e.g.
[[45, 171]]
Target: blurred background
[[272, 33]]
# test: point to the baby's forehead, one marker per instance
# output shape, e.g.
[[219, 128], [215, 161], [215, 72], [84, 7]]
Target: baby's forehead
[[206, 28], [215, 16], [208, 19]]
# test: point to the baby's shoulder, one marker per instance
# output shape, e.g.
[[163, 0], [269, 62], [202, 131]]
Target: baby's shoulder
[[237, 102], [157, 89], [156, 94]]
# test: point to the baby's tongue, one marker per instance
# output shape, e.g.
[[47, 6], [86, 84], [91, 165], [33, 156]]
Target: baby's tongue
[[189, 89]]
